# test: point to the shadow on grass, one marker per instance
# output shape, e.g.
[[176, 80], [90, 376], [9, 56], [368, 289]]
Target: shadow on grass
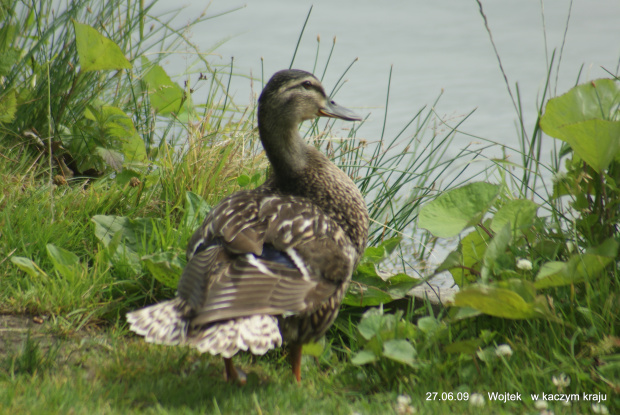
[[141, 376]]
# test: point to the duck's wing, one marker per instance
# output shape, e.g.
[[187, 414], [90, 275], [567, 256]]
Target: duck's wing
[[260, 254]]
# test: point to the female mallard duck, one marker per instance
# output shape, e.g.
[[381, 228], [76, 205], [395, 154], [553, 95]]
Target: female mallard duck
[[271, 264]]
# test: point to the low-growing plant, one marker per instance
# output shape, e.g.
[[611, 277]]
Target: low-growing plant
[[519, 265]]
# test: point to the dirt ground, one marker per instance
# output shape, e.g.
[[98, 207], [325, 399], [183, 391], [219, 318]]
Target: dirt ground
[[14, 330]]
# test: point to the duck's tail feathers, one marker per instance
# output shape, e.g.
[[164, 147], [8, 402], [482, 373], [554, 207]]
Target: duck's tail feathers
[[163, 323], [160, 323], [258, 334]]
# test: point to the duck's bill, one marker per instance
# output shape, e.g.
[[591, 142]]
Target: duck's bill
[[334, 110]]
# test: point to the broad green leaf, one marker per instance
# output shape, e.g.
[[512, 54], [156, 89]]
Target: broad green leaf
[[314, 349], [578, 268], [197, 209], [498, 302], [107, 226], [96, 52], [256, 177], [487, 354], [462, 313], [133, 231], [609, 248], [453, 259], [457, 209], [9, 56], [371, 323], [120, 254], [400, 350], [391, 244], [66, 263], [8, 106], [166, 267], [369, 289], [243, 180], [520, 213], [399, 285], [115, 122], [524, 288], [165, 96], [587, 118], [597, 142], [552, 274], [374, 254], [112, 157], [469, 346], [361, 295], [597, 99], [472, 247], [364, 357], [429, 324], [27, 265], [495, 250], [126, 175]]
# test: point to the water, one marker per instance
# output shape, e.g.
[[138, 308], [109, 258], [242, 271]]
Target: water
[[433, 47]]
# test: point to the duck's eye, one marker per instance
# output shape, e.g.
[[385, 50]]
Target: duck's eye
[[307, 84]]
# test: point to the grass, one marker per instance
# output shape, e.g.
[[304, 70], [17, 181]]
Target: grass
[[131, 377], [78, 357]]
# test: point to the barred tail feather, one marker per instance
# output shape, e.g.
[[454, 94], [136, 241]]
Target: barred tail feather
[[259, 334], [163, 324], [160, 323]]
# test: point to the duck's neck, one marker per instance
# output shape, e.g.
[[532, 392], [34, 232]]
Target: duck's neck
[[286, 150]]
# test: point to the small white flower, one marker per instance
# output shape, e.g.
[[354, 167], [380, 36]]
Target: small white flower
[[565, 403], [403, 406], [561, 381], [403, 400], [503, 350], [476, 399], [540, 404], [524, 264], [599, 408]]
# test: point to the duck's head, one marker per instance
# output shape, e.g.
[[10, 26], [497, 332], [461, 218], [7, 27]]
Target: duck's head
[[294, 96]]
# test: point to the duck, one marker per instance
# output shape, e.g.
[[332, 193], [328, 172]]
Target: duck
[[270, 266]]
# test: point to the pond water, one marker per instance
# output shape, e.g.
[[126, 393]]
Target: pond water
[[433, 47]]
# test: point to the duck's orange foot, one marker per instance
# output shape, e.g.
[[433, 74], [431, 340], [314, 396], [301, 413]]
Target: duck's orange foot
[[295, 350]]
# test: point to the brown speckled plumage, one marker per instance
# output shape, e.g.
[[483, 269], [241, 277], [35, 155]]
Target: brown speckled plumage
[[270, 264]]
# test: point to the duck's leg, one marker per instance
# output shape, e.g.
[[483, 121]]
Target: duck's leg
[[295, 350], [233, 374]]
